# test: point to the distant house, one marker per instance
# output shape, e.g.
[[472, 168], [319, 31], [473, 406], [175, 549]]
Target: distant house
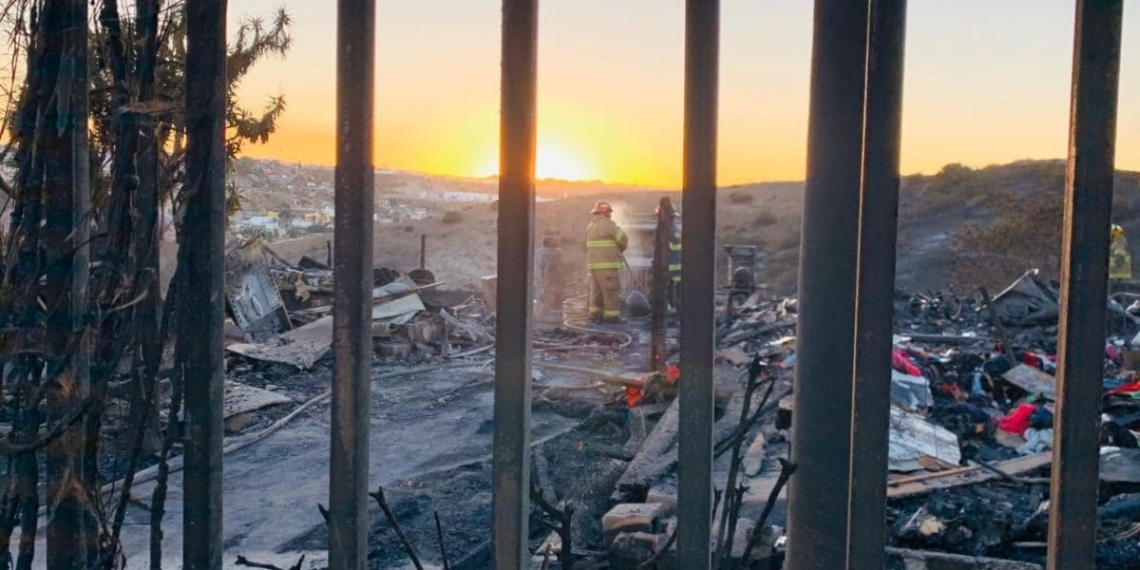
[[264, 222], [313, 216], [464, 196]]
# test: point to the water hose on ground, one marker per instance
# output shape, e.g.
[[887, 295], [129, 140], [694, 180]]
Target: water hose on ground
[[581, 327], [625, 340]]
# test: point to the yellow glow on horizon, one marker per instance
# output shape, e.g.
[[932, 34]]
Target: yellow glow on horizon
[[611, 104], [557, 163], [552, 162]]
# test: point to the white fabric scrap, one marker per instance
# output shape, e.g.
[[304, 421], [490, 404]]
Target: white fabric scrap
[[1036, 441]]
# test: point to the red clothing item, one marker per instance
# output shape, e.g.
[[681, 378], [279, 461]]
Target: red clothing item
[[1028, 358], [633, 396], [1125, 389], [900, 362], [1018, 420]]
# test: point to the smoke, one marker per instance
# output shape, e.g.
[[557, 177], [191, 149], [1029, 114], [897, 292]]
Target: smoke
[[621, 214], [632, 220]]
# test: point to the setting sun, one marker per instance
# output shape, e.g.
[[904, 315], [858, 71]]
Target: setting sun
[[556, 163], [552, 162]]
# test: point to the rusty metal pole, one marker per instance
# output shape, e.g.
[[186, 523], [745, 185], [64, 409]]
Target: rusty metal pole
[[874, 297], [1084, 283], [659, 322], [352, 288], [818, 501], [201, 319], [515, 289], [698, 274]]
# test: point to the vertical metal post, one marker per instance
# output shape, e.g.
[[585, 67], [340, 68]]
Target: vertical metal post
[[201, 319], [660, 293], [874, 296], [515, 290], [352, 304], [818, 502], [1084, 283], [423, 251], [698, 274]]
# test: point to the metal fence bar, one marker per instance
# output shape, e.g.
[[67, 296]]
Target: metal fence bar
[[517, 144], [201, 319], [352, 303], [1084, 283], [874, 297], [818, 501], [698, 267]]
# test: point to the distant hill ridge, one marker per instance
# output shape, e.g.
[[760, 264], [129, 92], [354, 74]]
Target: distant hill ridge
[[961, 226]]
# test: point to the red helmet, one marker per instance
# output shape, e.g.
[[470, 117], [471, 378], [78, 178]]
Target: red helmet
[[602, 207]]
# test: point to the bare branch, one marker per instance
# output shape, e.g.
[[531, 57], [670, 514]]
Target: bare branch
[[442, 547], [10, 448], [408, 547]]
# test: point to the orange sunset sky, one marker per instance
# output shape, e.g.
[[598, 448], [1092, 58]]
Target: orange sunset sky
[[987, 81]]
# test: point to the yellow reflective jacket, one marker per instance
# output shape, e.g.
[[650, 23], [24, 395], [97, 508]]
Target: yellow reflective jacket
[[675, 253], [605, 242]]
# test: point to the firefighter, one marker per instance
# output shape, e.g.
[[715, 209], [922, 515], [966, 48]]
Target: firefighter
[[1119, 260], [605, 244], [673, 296]]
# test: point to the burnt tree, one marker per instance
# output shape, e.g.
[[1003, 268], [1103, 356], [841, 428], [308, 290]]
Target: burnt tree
[[46, 290], [67, 325]]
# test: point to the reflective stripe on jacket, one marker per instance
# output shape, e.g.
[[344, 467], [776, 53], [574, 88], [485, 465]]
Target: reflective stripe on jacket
[[675, 254], [605, 242]]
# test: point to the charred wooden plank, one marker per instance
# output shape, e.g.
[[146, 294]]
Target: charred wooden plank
[[922, 484]]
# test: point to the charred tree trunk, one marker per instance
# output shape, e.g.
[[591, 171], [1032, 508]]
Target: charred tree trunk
[[22, 278], [81, 263], [173, 427], [63, 32], [147, 204], [28, 475], [9, 513], [199, 336]]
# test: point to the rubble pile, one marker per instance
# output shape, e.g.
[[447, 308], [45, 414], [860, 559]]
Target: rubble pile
[[971, 424], [755, 358], [990, 364], [756, 327], [971, 438], [284, 312]]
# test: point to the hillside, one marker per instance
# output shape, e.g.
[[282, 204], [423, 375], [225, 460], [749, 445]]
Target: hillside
[[958, 228]]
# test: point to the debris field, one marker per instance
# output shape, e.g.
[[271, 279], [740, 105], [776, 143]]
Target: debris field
[[970, 442]]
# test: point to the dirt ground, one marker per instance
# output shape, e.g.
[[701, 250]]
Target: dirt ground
[[429, 429], [431, 451]]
